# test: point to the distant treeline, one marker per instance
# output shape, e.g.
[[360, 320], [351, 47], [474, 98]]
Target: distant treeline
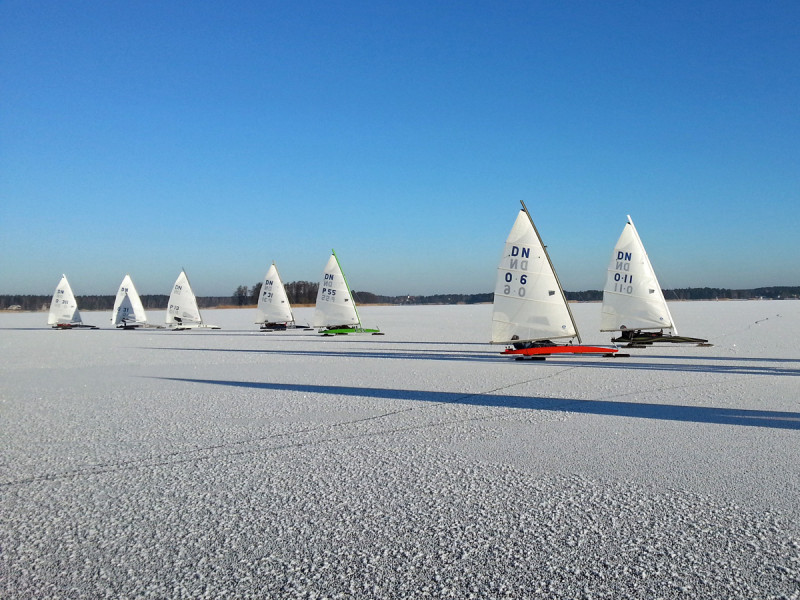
[[305, 292], [149, 301], [773, 292]]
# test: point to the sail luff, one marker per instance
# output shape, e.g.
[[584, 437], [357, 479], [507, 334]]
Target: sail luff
[[555, 274], [658, 289], [632, 295], [528, 302], [194, 298], [347, 285], [288, 304]]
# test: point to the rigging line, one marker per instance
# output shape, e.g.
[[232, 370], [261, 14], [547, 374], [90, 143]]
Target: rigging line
[[452, 401], [492, 391], [166, 461], [570, 403], [164, 458], [735, 331], [659, 389], [542, 378]]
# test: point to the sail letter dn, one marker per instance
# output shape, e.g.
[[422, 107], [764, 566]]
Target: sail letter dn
[[515, 251]]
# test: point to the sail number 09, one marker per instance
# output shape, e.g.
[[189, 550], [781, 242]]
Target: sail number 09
[[523, 279]]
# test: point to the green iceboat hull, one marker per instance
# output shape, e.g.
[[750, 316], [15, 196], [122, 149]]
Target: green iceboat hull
[[347, 330]]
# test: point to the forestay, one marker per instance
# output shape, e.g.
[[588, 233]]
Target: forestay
[[182, 308], [128, 308], [63, 306], [632, 297], [273, 303], [529, 304], [335, 305]]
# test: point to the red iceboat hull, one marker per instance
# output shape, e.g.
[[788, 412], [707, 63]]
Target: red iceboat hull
[[548, 350]]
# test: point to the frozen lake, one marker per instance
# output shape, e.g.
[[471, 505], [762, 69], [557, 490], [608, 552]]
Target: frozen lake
[[234, 463]]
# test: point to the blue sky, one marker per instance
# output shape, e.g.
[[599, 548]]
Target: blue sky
[[142, 137]]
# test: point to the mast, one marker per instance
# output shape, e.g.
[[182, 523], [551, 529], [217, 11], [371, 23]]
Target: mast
[[194, 298], [283, 287], [349, 291], [655, 279], [552, 268]]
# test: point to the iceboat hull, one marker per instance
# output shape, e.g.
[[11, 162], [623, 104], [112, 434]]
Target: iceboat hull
[[562, 349]]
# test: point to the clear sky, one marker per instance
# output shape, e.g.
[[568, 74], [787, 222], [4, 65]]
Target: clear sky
[[219, 136]]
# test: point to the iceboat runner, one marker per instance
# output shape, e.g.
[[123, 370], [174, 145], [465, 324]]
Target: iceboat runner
[[633, 303], [335, 312], [128, 312], [274, 312], [530, 309], [182, 310], [64, 313]]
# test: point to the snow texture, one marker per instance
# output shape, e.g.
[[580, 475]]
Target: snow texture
[[421, 463]]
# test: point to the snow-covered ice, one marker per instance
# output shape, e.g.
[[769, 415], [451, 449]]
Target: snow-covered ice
[[234, 463]]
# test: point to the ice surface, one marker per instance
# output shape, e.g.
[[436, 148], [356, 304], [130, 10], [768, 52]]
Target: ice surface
[[233, 463]]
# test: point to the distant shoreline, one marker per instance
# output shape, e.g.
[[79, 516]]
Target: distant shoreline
[[254, 306], [304, 294]]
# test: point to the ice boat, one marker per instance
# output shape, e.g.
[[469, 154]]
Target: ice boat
[[633, 303], [530, 311], [128, 312], [182, 311], [274, 312], [335, 312], [64, 313]]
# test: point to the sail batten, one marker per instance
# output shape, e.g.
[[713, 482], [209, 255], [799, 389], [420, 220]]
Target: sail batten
[[632, 296], [529, 303]]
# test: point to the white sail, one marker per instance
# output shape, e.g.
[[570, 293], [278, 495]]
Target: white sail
[[182, 308], [529, 304], [273, 303], [63, 306], [128, 307], [632, 297], [124, 312], [335, 305]]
